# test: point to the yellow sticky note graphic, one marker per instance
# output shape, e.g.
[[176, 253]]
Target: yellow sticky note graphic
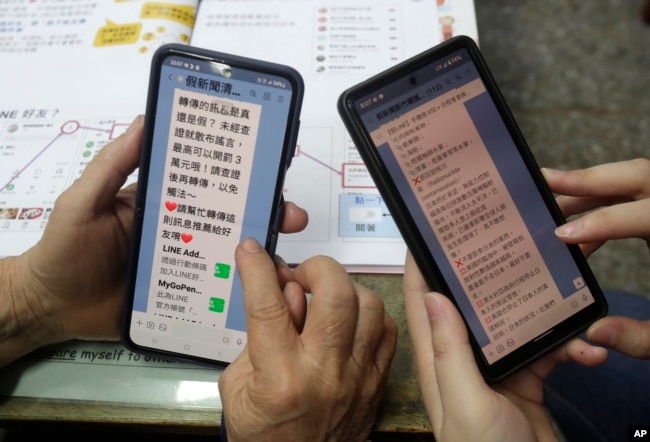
[[180, 14], [114, 34]]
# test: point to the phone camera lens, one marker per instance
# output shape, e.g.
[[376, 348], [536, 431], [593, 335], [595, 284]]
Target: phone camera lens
[[223, 69]]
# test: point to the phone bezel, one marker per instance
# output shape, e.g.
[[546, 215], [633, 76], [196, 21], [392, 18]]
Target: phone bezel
[[407, 227], [288, 150]]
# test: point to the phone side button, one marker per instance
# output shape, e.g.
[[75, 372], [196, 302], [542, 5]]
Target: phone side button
[[277, 222], [292, 151], [273, 241]]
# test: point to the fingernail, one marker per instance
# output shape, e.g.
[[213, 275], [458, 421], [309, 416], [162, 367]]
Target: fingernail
[[251, 245], [137, 122], [290, 294], [569, 229], [434, 307], [604, 335], [548, 172]]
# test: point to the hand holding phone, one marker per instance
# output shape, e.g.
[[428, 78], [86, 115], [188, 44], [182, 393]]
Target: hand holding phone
[[512, 410], [220, 132], [467, 196]]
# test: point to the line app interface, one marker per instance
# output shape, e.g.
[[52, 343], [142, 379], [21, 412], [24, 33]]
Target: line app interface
[[213, 174], [481, 215]]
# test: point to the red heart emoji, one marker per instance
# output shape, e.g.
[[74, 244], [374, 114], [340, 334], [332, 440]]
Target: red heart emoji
[[170, 205], [186, 237]]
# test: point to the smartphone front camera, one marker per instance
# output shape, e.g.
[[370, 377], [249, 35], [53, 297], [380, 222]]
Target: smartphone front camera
[[223, 69]]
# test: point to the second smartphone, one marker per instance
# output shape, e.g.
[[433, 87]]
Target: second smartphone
[[220, 132], [471, 204]]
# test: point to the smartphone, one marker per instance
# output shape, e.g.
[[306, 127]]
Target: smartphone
[[220, 131], [471, 203]]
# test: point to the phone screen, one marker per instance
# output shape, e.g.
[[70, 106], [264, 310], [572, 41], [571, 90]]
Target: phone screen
[[440, 136], [217, 157]]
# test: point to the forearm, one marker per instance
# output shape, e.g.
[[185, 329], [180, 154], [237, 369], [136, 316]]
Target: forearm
[[20, 329]]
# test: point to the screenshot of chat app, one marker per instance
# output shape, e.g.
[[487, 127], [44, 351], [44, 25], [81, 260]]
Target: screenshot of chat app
[[484, 218], [210, 166], [468, 208], [206, 176]]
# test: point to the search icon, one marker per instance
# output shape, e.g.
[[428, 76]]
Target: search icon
[[253, 93]]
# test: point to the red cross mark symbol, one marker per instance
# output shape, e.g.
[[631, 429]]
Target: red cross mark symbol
[[459, 263], [416, 180]]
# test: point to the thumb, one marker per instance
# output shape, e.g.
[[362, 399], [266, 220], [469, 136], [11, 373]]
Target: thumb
[[629, 336], [457, 373], [271, 331]]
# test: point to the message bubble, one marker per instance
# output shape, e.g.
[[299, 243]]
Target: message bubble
[[113, 34], [181, 14]]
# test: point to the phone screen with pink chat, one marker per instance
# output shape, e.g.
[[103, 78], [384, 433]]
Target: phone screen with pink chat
[[220, 131], [471, 203]]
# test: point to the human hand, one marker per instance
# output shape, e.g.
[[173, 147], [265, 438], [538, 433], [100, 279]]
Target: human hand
[[627, 335], [618, 194], [318, 376], [460, 405], [71, 284]]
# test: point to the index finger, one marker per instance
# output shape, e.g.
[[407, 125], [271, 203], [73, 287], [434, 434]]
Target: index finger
[[108, 171], [628, 220], [271, 331], [294, 218], [626, 335], [333, 309], [621, 179]]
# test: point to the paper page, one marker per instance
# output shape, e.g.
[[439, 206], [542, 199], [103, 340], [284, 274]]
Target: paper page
[[75, 74], [333, 44], [107, 372]]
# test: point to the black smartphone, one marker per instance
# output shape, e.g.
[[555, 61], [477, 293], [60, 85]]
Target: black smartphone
[[471, 203], [220, 132]]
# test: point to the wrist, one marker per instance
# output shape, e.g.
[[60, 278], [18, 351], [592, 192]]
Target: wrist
[[22, 318]]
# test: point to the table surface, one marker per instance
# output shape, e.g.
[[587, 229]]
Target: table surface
[[402, 410]]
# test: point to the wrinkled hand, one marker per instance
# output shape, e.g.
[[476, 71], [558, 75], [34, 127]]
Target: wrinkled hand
[[315, 377], [618, 196], [72, 280], [460, 405]]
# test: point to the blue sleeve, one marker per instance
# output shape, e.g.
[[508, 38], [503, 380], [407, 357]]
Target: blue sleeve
[[224, 434]]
